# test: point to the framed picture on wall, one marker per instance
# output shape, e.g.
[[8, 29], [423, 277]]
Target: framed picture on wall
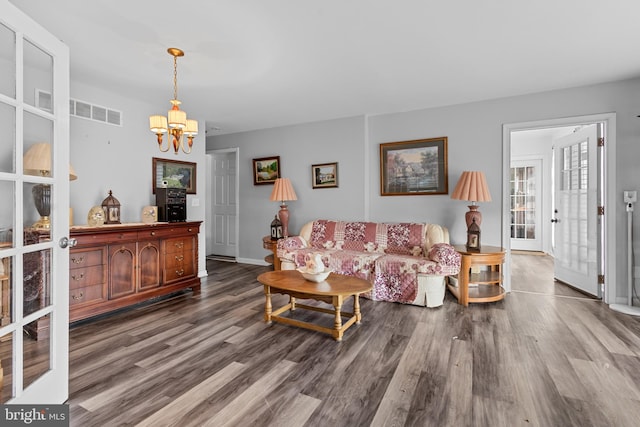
[[173, 174], [324, 175], [266, 170], [414, 168]]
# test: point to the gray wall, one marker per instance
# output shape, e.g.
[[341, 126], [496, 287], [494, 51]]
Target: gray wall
[[475, 143], [107, 157], [299, 147]]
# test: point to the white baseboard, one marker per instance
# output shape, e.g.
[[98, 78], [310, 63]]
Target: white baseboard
[[252, 261]]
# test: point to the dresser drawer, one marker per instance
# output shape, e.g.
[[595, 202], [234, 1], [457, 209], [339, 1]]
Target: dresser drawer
[[88, 276], [178, 272], [86, 258], [183, 244], [178, 260], [86, 294]]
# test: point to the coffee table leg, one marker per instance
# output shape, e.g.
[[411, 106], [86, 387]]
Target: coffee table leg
[[356, 308], [267, 304], [337, 325]]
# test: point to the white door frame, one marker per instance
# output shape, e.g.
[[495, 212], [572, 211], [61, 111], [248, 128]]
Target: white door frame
[[608, 190], [209, 210]]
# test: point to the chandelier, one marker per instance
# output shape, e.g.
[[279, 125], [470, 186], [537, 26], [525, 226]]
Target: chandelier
[[176, 119]]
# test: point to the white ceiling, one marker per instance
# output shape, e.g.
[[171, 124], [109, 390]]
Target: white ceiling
[[256, 64]]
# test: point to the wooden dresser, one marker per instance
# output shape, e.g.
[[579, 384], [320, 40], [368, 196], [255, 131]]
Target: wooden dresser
[[115, 266]]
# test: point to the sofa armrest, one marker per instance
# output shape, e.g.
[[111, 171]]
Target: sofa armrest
[[291, 243], [445, 255]]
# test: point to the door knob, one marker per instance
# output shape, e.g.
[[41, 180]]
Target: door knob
[[65, 242]]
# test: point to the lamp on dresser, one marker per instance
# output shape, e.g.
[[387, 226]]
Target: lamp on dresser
[[472, 186], [37, 161], [283, 191]]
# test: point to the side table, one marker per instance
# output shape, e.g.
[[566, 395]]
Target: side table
[[484, 285], [272, 258]]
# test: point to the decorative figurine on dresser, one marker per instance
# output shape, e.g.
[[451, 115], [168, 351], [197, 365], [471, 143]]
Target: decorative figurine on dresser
[[111, 208]]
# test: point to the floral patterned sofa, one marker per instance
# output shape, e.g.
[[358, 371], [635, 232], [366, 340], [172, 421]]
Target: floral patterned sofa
[[405, 262]]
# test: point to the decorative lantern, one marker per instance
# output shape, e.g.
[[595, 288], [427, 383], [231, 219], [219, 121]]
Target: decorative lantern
[[276, 229], [473, 236], [111, 208]]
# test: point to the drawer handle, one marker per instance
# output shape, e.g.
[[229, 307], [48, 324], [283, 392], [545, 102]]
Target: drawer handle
[[77, 260], [77, 297], [121, 236], [180, 272], [190, 230], [77, 278], [179, 257], [179, 245], [153, 233]]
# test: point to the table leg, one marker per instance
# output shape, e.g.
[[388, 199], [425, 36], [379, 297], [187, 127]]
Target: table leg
[[267, 304], [337, 325], [356, 308]]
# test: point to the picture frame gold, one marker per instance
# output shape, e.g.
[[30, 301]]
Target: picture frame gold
[[414, 168]]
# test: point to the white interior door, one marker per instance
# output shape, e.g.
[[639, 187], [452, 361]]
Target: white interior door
[[224, 204], [575, 234], [526, 204], [34, 116]]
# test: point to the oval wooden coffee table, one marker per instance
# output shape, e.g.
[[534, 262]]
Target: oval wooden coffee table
[[333, 291]]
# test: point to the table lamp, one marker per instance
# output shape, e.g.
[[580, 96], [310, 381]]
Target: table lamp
[[37, 161], [472, 186], [283, 191]]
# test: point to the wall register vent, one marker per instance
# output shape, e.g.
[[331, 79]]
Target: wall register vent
[[82, 109]]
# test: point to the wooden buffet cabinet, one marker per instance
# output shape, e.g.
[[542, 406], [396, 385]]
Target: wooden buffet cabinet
[[115, 266]]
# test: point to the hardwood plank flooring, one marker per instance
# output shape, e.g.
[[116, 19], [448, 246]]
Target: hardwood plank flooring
[[544, 356]]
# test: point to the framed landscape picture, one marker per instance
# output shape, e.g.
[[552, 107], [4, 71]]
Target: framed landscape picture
[[324, 175], [266, 170], [173, 174], [414, 168]]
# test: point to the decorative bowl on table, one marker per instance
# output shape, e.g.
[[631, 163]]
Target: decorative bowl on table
[[313, 276]]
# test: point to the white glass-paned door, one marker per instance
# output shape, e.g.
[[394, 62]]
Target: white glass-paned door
[[34, 183], [575, 246], [525, 204]]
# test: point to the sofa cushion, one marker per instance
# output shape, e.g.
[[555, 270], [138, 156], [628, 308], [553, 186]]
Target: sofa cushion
[[405, 238]]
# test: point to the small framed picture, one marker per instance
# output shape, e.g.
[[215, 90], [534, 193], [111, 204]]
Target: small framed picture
[[266, 170], [324, 175]]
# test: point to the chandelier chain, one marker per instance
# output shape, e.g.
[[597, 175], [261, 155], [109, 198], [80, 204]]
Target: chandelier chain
[[175, 77]]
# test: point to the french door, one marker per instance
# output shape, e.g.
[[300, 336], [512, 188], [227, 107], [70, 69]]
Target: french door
[[576, 237], [525, 195], [34, 212]]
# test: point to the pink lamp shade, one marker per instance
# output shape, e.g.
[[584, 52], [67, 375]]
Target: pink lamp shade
[[472, 186], [283, 191]]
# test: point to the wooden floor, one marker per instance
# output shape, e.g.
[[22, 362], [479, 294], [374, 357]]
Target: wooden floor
[[544, 356]]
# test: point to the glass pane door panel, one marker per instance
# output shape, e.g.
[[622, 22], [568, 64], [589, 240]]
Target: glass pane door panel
[[37, 351], [7, 124], [37, 281], [523, 202], [6, 367], [7, 62], [38, 77], [6, 290], [7, 214]]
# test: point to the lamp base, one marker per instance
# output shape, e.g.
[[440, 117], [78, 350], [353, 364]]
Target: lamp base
[[42, 224], [283, 214], [471, 214]]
